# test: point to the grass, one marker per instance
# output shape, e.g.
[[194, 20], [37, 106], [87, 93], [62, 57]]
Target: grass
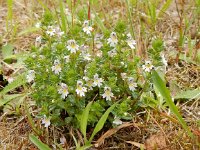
[[145, 23]]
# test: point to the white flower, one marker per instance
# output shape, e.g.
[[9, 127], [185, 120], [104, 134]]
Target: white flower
[[113, 39], [60, 33], [86, 56], [131, 43], [38, 25], [164, 61], [57, 67], [147, 67], [129, 36], [117, 121], [86, 28], [97, 81], [98, 44], [132, 85], [30, 76], [51, 31], [67, 59], [112, 53], [46, 121], [72, 46], [80, 90], [89, 82], [38, 40], [124, 76], [107, 93], [63, 90]]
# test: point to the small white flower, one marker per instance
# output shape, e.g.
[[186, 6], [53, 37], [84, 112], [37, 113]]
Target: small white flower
[[80, 90], [46, 121], [72, 46], [60, 33], [89, 82], [164, 61], [112, 53], [132, 85], [131, 43], [86, 28], [63, 90], [30, 76], [38, 25], [117, 121], [98, 44], [129, 36], [67, 11], [113, 39], [57, 67], [38, 40], [97, 81], [86, 56], [147, 67], [51, 31], [107, 93], [124, 76], [67, 59]]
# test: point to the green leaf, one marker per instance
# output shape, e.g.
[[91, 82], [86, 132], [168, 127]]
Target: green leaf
[[189, 94], [20, 80], [84, 119], [102, 121], [7, 98], [7, 50], [164, 8], [38, 143], [62, 14], [28, 30], [100, 23], [160, 85]]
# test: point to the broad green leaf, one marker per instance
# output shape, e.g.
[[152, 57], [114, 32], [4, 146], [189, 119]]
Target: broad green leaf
[[189, 94], [7, 98], [84, 119], [7, 50], [160, 85], [85, 147], [38, 143], [20, 80], [101, 122]]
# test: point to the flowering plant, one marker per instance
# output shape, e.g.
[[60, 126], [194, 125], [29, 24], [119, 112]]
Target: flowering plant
[[68, 70]]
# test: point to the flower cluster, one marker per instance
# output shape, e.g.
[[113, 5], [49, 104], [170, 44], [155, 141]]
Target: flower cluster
[[70, 70]]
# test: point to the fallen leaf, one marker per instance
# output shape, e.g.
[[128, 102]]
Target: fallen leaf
[[111, 132], [156, 141], [139, 145]]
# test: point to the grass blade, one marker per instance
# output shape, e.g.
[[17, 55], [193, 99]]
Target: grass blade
[[101, 122], [38, 143], [10, 13], [84, 119], [160, 85], [164, 8], [20, 80], [63, 19]]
